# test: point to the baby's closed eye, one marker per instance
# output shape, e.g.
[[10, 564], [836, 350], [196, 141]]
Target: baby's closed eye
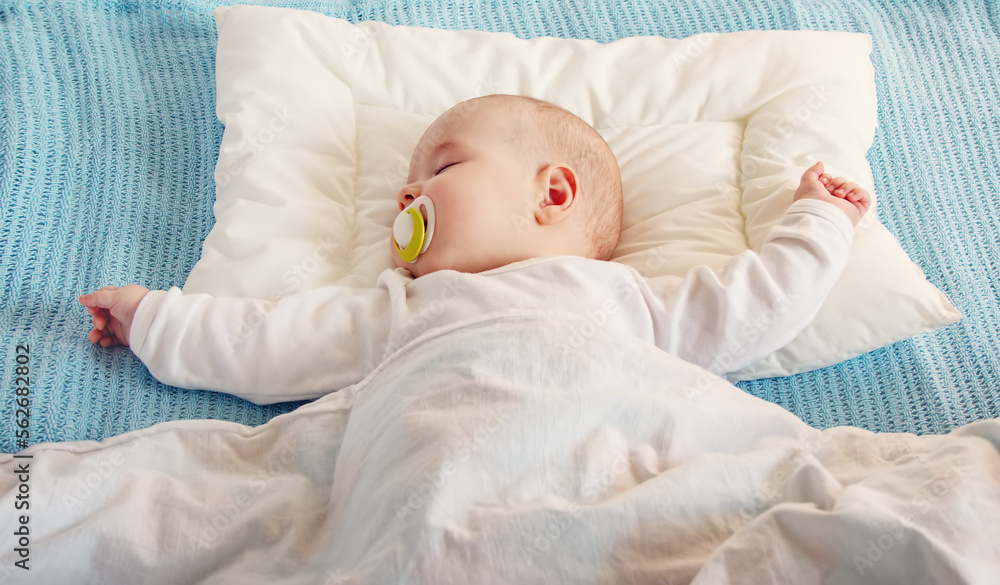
[[443, 167]]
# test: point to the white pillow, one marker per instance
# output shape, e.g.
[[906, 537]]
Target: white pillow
[[712, 133]]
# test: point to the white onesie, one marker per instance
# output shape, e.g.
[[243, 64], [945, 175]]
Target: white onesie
[[319, 341]]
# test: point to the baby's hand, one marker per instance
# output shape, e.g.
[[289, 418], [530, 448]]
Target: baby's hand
[[112, 309], [849, 197]]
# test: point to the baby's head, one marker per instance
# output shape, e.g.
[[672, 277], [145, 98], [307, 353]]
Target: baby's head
[[513, 178]]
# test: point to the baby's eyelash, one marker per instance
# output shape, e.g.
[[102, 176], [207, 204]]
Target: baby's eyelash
[[443, 168]]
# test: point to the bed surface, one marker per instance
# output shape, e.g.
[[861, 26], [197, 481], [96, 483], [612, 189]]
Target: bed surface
[[108, 142]]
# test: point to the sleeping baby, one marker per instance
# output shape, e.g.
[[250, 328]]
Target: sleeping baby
[[511, 205], [508, 406]]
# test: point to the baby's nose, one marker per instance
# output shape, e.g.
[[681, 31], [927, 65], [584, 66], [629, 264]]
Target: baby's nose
[[406, 195]]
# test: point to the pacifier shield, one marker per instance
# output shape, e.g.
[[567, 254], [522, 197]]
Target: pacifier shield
[[411, 232]]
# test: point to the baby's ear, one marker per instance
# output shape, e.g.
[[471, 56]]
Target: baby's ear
[[559, 190]]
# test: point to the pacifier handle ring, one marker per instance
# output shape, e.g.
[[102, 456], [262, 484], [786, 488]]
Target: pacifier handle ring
[[428, 206], [412, 250]]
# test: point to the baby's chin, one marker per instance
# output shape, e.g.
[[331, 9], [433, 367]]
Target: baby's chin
[[422, 266], [426, 264], [434, 260]]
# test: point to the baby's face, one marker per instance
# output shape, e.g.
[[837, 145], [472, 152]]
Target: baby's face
[[481, 188]]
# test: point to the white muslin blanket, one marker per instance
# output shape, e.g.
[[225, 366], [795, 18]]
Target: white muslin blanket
[[491, 452]]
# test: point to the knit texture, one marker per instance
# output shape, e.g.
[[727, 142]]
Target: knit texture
[[108, 141]]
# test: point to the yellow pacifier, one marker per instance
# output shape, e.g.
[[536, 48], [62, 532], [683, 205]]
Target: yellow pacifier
[[411, 233]]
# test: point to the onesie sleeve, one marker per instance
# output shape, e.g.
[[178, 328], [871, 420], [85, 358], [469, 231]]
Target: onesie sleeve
[[301, 347], [728, 319]]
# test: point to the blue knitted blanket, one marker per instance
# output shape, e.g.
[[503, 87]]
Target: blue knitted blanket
[[108, 141]]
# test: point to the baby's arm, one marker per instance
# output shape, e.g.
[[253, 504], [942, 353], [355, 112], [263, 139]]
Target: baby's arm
[[304, 346], [725, 320]]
